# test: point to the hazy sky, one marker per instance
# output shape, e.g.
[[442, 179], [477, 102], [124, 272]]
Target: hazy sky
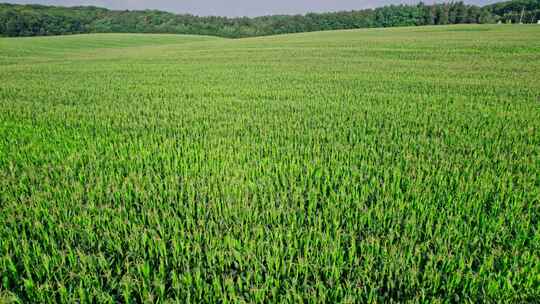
[[236, 7]]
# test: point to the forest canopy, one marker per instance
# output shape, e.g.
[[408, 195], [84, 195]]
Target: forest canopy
[[39, 20]]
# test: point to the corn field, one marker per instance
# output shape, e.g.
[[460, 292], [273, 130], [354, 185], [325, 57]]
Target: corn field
[[362, 166]]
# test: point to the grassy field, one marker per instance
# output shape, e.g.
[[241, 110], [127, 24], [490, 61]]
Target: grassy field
[[352, 166]]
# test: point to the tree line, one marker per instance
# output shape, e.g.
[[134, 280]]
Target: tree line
[[40, 20]]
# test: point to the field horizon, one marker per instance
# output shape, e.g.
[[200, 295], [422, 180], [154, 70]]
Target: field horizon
[[369, 165]]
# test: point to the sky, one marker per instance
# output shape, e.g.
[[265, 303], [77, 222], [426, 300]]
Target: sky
[[234, 8]]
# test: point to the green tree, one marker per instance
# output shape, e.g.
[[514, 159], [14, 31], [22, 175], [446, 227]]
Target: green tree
[[442, 14], [461, 13]]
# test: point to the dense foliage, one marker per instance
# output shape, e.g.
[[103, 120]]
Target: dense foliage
[[524, 11], [34, 20], [340, 167]]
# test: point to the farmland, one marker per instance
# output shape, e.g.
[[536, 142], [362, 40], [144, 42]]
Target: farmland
[[346, 166]]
